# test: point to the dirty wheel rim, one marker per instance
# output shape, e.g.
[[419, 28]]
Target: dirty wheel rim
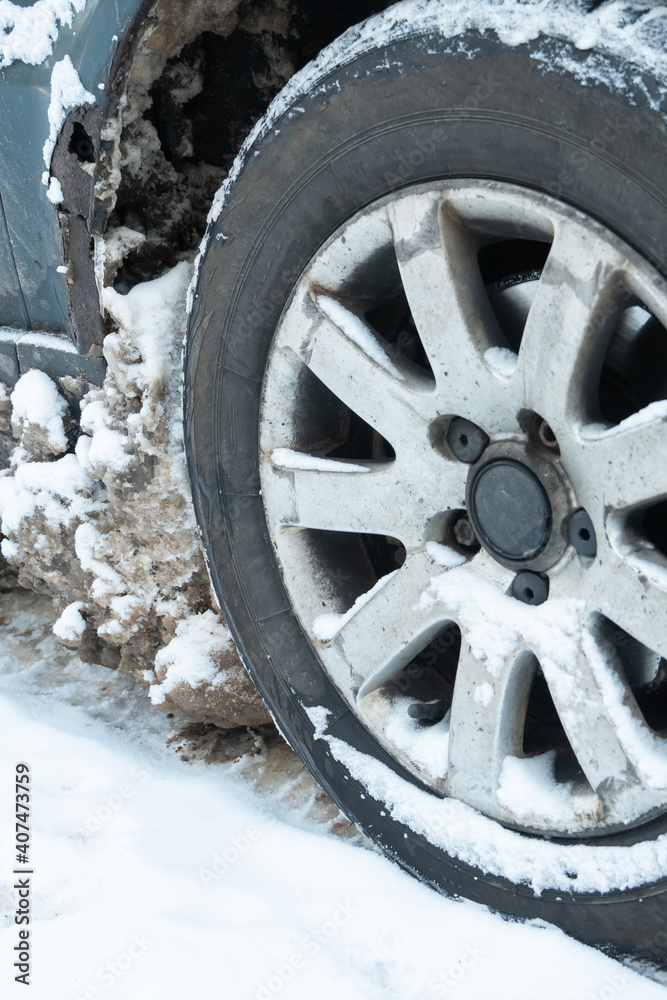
[[545, 714]]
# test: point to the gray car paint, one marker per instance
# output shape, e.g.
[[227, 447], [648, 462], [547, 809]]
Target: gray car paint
[[32, 292]]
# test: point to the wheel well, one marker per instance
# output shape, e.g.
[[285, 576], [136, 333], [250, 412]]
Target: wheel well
[[200, 76]]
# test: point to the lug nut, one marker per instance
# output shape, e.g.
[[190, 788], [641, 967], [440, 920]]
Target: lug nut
[[466, 439], [427, 711], [582, 534], [531, 588], [464, 533]]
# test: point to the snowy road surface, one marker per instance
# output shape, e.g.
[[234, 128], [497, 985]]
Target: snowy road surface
[[157, 877]]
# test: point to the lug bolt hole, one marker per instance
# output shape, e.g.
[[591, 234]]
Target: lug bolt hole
[[546, 435]]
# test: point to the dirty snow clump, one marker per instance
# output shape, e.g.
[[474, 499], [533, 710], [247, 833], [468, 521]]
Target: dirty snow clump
[[200, 662], [39, 415], [71, 625], [109, 530]]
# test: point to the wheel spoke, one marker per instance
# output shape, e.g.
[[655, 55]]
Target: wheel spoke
[[366, 502], [487, 722], [438, 264], [562, 346], [390, 629], [357, 369], [599, 715], [492, 687], [621, 467], [627, 590]]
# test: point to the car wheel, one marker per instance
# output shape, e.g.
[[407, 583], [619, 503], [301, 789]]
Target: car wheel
[[425, 421]]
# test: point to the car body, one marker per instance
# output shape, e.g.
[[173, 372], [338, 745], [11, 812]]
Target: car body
[[377, 218]]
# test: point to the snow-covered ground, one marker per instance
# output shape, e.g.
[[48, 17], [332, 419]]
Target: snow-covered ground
[[166, 868]]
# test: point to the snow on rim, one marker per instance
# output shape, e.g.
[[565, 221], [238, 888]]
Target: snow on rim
[[358, 332], [468, 835], [486, 845], [327, 626], [287, 458], [626, 29]]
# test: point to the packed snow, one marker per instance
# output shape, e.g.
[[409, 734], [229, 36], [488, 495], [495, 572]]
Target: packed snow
[[444, 555], [327, 626], [287, 458], [28, 32], [156, 876], [189, 657], [358, 332], [501, 360], [71, 624], [111, 528], [36, 400], [101, 446], [54, 191], [60, 490], [87, 544]]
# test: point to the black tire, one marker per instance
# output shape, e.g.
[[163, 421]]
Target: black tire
[[412, 110]]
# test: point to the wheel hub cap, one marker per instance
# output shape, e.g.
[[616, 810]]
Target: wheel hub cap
[[510, 510]]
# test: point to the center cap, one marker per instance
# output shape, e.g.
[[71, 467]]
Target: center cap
[[509, 509]]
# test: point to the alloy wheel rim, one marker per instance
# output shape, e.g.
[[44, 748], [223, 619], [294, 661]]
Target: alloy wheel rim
[[463, 728]]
